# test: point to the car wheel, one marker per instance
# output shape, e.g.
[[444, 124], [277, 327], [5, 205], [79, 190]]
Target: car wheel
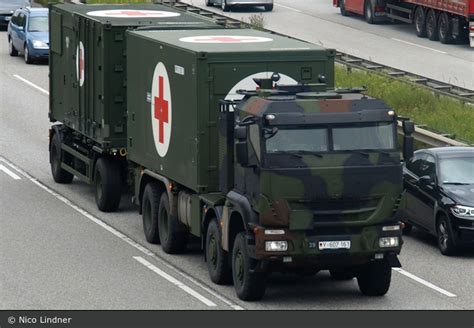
[[209, 3], [420, 22], [342, 7], [11, 48], [27, 56], [268, 7], [368, 12], [432, 25], [173, 234], [225, 6], [150, 205], [374, 279], [216, 258], [445, 28], [59, 175], [108, 184], [445, 237]]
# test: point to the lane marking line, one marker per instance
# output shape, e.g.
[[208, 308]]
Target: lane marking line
[[31, 84], [420, 46], [424, 282], [122, 236], [289, 8], [10, 173], [174, 281]]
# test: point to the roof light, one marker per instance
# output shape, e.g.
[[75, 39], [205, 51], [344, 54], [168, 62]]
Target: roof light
[[270, 117], [391, 112]]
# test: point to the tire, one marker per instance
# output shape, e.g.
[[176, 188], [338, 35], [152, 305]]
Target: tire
[[369, 12], [407, 229], [216, 258], [150, 206], [26, 55], [248, 283], [420, 22], [342, 274], [445, 237], [374, 279], [209, 3], [445, 28], [225, 6], [11, 48], [173, 234], [432, 25], [268, 7], [59, 175], [342, 7], [108, 184]]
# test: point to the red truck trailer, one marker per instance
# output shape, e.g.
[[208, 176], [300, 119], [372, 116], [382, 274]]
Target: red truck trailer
[[446, 20]]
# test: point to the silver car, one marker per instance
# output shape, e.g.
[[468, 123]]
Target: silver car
[[226, 5]]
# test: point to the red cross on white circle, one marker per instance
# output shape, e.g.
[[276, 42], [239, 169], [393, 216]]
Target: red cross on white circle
[[225, 39], [161, 114], [132, 13], [161, 110]]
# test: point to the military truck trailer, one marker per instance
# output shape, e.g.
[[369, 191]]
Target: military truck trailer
[[284, 176], [88, 89]]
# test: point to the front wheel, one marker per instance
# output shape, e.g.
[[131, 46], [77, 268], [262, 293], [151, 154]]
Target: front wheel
[[11, 48], [173, 235], [26, 53], [374, 279], [249, 284], [216, 258], [445, 237], [108, 184]]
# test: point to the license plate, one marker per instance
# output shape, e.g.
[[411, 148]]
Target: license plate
[[335, 244]]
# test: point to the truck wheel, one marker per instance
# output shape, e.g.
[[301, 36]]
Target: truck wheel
[[369, 12], [432, 25], [342, 274], [268, 7], [27, 56], [225, 6], [217, 259], [249, 284], [445, 28], [342, 7], [420, 22], [173, 234], [209, 3], [150, 205], [445, 237], [108, 184], [374, 279], [11, 48], [59, 175]]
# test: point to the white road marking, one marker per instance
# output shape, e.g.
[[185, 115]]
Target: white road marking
[[10, 173], [424, 282], [289, 8], [419, 46], [174, 281], [120, 235], [31, 84]]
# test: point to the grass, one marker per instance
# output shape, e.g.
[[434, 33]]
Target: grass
[[45, 2], [118, 1], [439, 113]]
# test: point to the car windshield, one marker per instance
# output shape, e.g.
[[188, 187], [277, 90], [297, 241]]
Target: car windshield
[[457, 170], [372, 136], [38, 24], [294, 140]]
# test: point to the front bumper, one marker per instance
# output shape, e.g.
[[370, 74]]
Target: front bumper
[[249, 3], [303, 246], [39, 53], [463, 230]]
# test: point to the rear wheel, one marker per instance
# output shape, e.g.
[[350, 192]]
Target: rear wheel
[[225, 6], [11, 48], [26, 53], [59, 175], [150, 206], [445, 237], [342, 7], [173, 234], [369, 12], [217, 259], [249, 284], [432, 25], [108, 184], [374, 279], [268, 7], [445, 28], [420, 22]]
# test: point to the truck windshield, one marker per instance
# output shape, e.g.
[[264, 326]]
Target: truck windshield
[[373, 136]]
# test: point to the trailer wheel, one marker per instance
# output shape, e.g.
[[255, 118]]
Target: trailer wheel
[[11, 48], [342, 7], [342, 274], [108, 184], [420, 22], [249, 284], [445, 28], [173, 234], [432, 25], [59, 175], [209, 3], [217, 259], [369, 12], [150, 206], [225, 6], [374, 279]]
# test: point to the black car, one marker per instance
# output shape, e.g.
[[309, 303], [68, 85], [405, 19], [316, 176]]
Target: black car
[[439, 185], [8, 7]]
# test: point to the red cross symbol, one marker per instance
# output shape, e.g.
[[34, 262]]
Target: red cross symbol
[[81, 63], [133, 13], [161, 110], [225, 39]]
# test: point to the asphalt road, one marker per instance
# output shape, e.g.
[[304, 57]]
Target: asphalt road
[[57, 251], [395, 45]]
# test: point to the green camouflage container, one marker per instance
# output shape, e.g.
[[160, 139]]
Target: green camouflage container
[[176, 80], [88, 64]]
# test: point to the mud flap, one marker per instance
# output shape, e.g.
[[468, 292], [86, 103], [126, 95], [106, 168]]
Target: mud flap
[[393, 261]]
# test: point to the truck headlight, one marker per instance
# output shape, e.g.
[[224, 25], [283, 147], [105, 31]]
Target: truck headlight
[[388, 242], [276, 246], [38, 44], [465, 212]]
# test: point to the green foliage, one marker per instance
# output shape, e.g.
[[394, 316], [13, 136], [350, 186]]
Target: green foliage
[[45, 2], [256, 21], [440, 113], [119, 1]]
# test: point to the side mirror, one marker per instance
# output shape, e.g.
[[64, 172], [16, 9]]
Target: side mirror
[[242, 153], [240, 132], [408, 142], [408, 127]]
